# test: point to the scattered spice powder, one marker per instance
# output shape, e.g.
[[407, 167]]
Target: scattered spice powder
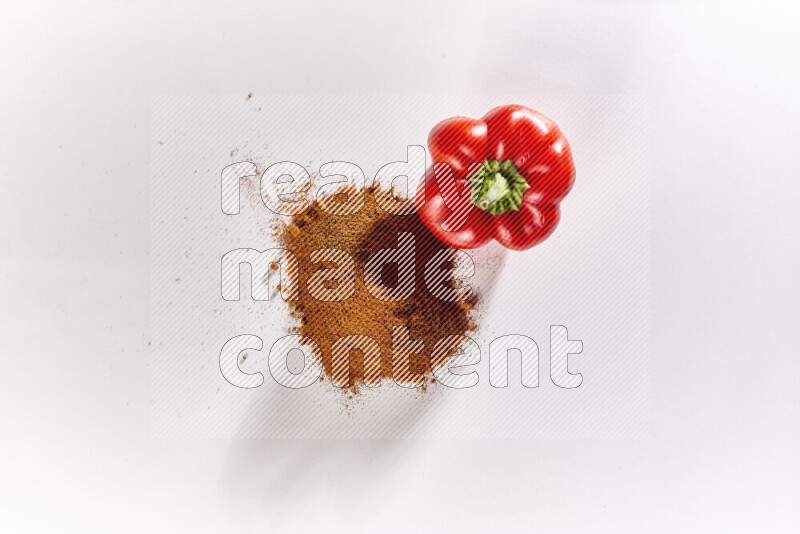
[[361, 235]]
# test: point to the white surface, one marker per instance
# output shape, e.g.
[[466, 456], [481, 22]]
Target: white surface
[[76, 81]]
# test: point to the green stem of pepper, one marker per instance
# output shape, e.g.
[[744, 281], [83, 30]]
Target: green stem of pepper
[[497, 187]]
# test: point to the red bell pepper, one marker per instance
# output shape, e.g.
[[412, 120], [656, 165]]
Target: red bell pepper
[[499, 177]]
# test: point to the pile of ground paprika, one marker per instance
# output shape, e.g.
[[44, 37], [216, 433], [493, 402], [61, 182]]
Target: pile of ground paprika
[[361, 235]]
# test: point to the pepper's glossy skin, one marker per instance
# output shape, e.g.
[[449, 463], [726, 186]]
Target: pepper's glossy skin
[[539, 152]]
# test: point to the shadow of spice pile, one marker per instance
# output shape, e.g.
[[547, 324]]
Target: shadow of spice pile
[[361, 235]]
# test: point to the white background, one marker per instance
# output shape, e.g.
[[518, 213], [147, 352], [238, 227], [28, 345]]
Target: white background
[[77, 453]]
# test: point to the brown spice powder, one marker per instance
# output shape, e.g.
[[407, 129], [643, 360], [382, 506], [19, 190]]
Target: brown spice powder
[[361, 235]]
